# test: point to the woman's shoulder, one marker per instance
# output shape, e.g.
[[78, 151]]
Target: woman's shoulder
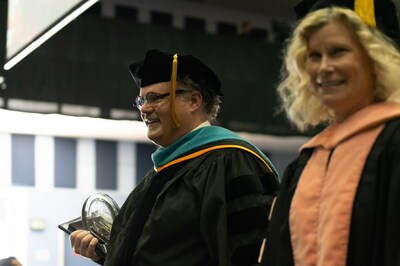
[[391, 132]]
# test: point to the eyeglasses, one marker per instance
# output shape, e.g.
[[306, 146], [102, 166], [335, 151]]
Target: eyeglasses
[[152, 98]]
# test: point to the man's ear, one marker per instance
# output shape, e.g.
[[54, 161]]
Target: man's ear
[[196, 100]]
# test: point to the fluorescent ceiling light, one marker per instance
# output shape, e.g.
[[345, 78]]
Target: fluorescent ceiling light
[[35, 44]]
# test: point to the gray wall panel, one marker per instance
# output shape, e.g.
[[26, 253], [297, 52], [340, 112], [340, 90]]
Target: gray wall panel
[[106, 164], [65, 162], [23, 159]]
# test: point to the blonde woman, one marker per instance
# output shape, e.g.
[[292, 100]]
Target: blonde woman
[[339, 202]]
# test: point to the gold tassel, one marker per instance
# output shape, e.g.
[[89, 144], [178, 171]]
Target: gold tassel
[[366, 10], [174, 74]]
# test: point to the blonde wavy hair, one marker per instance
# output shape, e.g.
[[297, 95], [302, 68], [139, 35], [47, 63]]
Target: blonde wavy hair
[[301, 107]]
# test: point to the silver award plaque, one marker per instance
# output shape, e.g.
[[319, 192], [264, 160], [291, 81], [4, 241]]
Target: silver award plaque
[[98, 214]]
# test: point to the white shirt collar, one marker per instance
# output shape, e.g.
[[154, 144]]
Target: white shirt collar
[[204, 124]]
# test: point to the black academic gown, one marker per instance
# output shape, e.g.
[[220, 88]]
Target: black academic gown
[[212, 211], [375, 224]]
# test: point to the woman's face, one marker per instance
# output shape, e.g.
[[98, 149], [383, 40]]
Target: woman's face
[[341, 74]]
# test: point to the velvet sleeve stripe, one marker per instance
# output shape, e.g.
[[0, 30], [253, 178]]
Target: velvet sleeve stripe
[[249, 201], [246, 185], [247, 220]]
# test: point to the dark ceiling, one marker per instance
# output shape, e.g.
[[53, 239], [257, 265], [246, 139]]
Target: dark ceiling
[[273, 8]]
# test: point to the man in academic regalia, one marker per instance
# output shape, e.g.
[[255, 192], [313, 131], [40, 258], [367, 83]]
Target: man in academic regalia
[[207, 199]]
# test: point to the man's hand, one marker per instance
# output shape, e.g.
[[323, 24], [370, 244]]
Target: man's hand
[[84, 244]]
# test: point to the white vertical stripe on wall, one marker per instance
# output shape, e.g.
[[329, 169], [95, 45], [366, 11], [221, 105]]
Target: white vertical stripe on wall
[[86, 165], [178, 21], [211, 26], [14, 228], [126, 153], [144, 15], [5, 159], [44, 162]]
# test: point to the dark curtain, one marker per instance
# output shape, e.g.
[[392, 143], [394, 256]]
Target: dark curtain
[[86, 64]]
